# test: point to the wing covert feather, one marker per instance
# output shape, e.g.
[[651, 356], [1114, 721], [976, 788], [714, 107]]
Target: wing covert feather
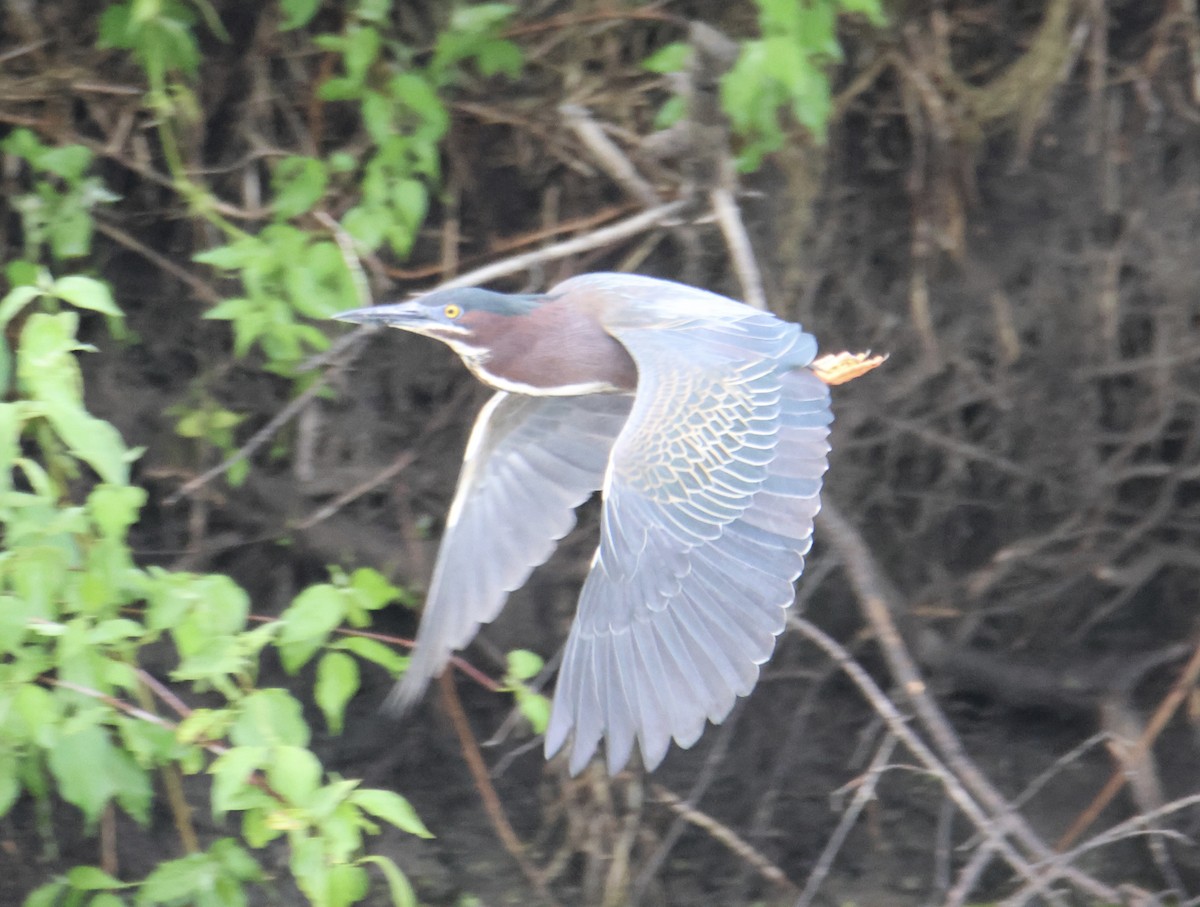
[[704, 530]]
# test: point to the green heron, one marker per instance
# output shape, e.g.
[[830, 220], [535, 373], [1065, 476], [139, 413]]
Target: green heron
[[703, 423]]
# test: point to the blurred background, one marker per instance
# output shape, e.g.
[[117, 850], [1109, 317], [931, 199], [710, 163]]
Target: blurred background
[[1003, 195]]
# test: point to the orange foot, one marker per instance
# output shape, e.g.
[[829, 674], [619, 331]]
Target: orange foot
[[838, 368]]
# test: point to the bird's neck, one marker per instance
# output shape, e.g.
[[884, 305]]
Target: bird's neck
[[565, 353]]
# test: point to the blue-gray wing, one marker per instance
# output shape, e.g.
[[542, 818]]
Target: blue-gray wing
[[709, 506], [530, 462]]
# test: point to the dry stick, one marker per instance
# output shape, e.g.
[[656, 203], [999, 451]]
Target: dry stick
[[397, 466], [1137, 825], [608, 155], [877, 602], [968, 876], [700, 786], [487, 793], [257, 440], [729, 218], [172, 777], [198, 286], [444, 417], [1154, 727], [652, 217], [516, 263], [899, 726], [862, 796], [724, 835]]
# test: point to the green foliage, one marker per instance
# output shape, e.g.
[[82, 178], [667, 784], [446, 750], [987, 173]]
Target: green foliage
[[56, 215], [278, 293], [76, 612], [523, 666], [79, 720], [159, 33], [785, 69], [405, 118], [213, 424]]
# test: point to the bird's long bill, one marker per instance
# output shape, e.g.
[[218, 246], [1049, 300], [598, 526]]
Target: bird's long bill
[[399, 314]]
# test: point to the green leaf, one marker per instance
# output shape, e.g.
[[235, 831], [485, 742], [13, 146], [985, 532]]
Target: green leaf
[[378, 115], [524, 665], [106, 899], [10, 787], [48, 895], [232, 772], [366, 224], [872, 9], [86, 293], [535, 707], [298, 183], [46, 365], [228, 257], [10, 434], [91, 878], [68, 161], [500, 57], [337, 681], [294, 773], [24, 143], [270, 717], [360, 50], [297, 13], [177, 881], [671, 58], [391, 807], [78, 761], [373, 650], [374, 590], [411, 199], [399, 887], [235, 860], [15, 300], [670, 113], [307, 623], [480, 17], [93, 440], [114, 508]]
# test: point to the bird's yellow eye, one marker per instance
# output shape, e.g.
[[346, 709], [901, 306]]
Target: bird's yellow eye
[[452, 311]]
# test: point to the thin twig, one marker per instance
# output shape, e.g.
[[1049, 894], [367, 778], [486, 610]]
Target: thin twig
[[198, 286], [517, 263], [699, 787], [865, 793], [1166, 708], [724, 835], [487, 793], [741, 250], [608, 155], [257, 440], [878, 600], [899, 725]]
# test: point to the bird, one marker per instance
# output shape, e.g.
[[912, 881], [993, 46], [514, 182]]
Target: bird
[[703, 423]]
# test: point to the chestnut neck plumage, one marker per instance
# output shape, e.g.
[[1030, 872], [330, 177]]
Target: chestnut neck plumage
[[558, 348]]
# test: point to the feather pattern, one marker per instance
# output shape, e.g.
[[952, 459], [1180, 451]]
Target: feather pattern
[[711, 473], [705, 525], [541, 456]]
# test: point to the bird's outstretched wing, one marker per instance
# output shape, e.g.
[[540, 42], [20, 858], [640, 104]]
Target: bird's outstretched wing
[[709, 506], [529, 463]]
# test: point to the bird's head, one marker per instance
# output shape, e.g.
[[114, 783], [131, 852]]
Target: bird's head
[[470, 320]]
